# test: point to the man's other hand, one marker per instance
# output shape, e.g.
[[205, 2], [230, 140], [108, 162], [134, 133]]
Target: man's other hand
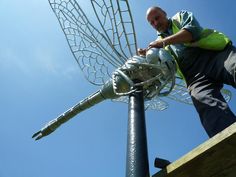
[[142, 52]]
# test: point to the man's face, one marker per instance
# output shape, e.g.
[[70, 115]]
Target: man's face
[[157, 20]]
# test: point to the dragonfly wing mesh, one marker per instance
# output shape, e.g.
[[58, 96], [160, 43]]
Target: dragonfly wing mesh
[[94, 53], [117, 24]]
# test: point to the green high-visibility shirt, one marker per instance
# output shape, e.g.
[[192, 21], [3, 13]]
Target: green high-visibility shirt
[[185, 53]]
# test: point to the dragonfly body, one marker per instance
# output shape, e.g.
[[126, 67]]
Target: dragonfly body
[[106, 92], [147, 73]]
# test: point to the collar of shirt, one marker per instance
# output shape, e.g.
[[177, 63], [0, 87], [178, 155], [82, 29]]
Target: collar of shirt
[[168, 32]]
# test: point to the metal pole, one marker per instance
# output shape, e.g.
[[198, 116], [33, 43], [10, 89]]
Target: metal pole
[[137, 153]]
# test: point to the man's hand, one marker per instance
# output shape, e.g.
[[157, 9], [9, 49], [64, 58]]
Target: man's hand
[[157, 44], [142, 52], [154, 44]]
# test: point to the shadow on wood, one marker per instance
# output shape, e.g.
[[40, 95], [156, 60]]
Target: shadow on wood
[[214, 158]]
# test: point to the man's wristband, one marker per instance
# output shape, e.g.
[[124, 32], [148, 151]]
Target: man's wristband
[[163, 44]]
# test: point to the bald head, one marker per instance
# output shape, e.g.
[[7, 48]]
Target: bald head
[[153, 9], [157, 18]]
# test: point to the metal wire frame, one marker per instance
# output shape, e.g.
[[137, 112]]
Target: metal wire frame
[[99, 52]]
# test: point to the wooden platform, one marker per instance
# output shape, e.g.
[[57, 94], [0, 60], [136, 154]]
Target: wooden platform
[[214, 158]]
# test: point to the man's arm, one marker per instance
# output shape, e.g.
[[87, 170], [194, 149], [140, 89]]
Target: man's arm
[[190, 31], [183, 36]]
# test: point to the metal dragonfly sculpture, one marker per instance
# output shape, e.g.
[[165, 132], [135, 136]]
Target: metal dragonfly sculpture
[[107, 57]]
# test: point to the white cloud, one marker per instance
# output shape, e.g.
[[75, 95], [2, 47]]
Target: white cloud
[[55, 63], [37, 61]]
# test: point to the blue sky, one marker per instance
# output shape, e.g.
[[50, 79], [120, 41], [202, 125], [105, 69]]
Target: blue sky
[[40, 79]]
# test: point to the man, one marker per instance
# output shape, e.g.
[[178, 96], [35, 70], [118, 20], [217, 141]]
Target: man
[[206, 63]]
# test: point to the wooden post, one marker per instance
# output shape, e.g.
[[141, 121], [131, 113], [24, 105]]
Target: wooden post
[[214, 158]]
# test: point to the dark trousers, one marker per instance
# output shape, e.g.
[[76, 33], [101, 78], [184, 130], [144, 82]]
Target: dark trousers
[[205, 78]]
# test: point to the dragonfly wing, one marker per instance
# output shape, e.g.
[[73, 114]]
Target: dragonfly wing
[[117, 24], [154, 104], [180, 93], [92, 50]]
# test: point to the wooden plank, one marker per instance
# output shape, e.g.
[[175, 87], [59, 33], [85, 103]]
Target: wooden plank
[[214, 158]]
